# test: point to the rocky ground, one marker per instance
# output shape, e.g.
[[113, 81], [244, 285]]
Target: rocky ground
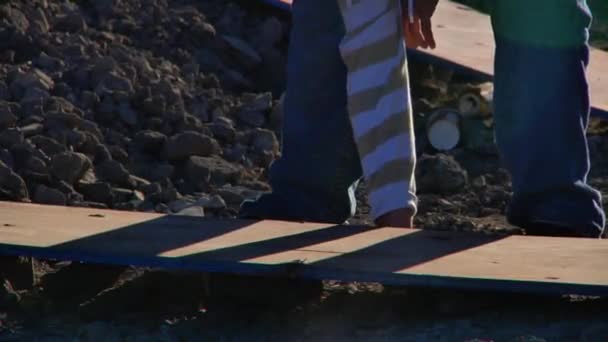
[[173, 107]]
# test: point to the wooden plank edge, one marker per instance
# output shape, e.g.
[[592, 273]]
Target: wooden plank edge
[[427, 57], [297, 270]]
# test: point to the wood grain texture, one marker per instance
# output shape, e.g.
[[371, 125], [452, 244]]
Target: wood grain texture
[[465, 41], [388, 255]]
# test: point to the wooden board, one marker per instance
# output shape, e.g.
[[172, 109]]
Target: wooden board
[[319, 251], [465, 42]]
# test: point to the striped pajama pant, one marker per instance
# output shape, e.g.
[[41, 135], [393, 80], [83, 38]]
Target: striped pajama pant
[[379, 104]]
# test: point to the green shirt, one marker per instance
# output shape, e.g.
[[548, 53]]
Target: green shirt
[[544, 23]]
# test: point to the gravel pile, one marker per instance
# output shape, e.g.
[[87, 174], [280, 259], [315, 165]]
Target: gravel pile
[[137, 105]]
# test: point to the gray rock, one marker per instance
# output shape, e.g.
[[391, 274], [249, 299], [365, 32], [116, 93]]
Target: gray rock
[[263, 140], [198, 170], [114, 83], [218, 171], [184, 145], [223, 130], [7, 118], [4, 92], [235, 195], [150, 141], [69, 166], [119, 153], [13, 183], [89, 100], [181, 204], [32, 79], [47, 62], [48, 145], [440, 174], [152, 188], [101, 154], [37, 165], [121, 195], [252, 118], [10, 137], [215, 202], [23, 151], [35, 94], [38, 21], [97, 192], [46, 195], [194, 210], [7, 158], [114, 172], [257, 102], [127, 114], [70, 22], [57, 119], [32, 129], [59, 104]]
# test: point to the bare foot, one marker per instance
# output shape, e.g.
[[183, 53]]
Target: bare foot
[[402, 218]]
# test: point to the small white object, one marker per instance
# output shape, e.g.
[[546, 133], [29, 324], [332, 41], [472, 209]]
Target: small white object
[[443, 130]]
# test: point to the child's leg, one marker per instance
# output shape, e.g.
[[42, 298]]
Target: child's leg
[[542, 110], [314, 179], [379, 103]]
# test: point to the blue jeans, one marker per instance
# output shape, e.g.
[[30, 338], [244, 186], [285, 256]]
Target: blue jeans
[[541, 113]]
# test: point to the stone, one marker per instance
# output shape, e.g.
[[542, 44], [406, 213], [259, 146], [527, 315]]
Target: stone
[[235, 195], [263, 140], [47, 62], [440, 174], [59, 104], [13, 183], [121, 195], [58, 119], [101, 154], [214, 169], [114, 172], [23, 151], [69, 166], [197, 171], [4, 92], [35, 94], [48, 145], [97, 192], [190, 143], [214, 202], [150, 141], [7, 118], [32, 129], [194, 210], [38, 22], [127, 114], [114, 83], [32, 79], [37, 165], [181, 204], [10, 137], [257, 102], [46, 195], [223, 130]]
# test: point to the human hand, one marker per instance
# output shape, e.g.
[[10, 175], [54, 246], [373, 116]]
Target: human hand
[[417, 26]]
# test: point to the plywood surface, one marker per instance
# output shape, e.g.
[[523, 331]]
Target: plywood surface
[[464, 37], [389, 255]]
